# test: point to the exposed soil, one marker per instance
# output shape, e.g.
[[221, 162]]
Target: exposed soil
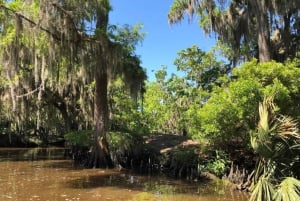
[[243, 159], [165, 143]]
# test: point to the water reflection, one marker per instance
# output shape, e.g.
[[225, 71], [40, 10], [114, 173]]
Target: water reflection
[[27, 175], [32, 154], [155, 184]]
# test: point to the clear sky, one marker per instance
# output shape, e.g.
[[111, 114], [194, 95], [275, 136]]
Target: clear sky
[[162, 41]]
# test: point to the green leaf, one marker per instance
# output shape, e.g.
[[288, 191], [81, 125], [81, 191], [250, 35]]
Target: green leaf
[[263, 190], [288, 190]]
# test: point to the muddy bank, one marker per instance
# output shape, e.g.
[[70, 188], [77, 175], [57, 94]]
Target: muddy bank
[[177, 156], [173, 155], [181, 157]]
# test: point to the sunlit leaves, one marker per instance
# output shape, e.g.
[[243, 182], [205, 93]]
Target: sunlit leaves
[[230, 111], [201, 68], [125, 110], [274, 139], [9, 35], [155, 107], [263, 191], [178, 9], [15, 5], [279, 79], [288, 190], [49, 50]]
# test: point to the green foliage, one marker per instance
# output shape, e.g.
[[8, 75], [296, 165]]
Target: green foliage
[[227, 112], [288, 190], [171, 104], [276, 141], [219, 165], [125, 112], [48, 67], [239, 23], [182, 158], [123, 141], [276, 78], [128, 36], [126, 147], [201, 68], [106, 4], [15, 5], [231, 110], [263, 190], [165, 104], [155, 110], [79, 138], [177, 10]]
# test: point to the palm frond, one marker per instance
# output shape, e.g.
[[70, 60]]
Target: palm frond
[[263, 190], [277, 141], [275, 134], [288, 127], [264, 117], [288, 190], [266, 110], [296, 146]]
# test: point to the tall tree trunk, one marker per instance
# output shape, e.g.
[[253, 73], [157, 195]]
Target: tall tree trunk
[[262, 30], [100, 154]]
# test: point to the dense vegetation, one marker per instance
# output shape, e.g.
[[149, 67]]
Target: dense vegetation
[[58, 63], [67, 74]]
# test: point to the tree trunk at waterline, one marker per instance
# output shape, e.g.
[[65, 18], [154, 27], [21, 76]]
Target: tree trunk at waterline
[[100, 151], [100, 156]]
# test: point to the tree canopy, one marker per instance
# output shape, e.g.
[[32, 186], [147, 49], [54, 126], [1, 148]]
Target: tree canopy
[[57, 59], [262, 29]]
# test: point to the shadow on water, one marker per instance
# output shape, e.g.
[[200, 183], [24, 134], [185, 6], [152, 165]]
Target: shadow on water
[[61, 164], [32, 154], [158, 187]]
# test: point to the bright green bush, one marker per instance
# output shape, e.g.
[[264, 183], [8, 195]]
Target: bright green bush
[[231, 111], [219, 165]]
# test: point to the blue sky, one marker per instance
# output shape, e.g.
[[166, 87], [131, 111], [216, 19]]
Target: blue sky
[[162, 41]]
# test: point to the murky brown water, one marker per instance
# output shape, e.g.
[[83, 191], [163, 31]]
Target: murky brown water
[[44, 174]]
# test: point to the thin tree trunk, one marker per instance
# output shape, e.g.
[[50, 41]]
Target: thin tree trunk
[[262, 30]]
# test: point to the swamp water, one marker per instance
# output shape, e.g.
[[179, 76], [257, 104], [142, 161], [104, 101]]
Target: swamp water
[[45, 174]]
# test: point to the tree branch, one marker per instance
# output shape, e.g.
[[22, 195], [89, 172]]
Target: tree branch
[[31, 22], [54, 35], [29, 93]]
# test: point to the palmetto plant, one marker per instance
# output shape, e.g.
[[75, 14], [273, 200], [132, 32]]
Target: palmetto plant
[[276, 141]]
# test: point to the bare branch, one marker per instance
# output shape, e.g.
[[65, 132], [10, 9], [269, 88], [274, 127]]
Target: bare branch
[[29, 93]]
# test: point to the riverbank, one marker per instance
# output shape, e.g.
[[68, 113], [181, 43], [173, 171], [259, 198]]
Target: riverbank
[[186, 158], [173, 155]]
